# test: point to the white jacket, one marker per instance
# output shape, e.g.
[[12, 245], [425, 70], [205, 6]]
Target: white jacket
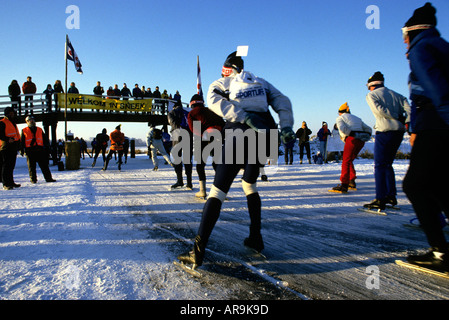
[[235, 111], [387, 106], [347, 123]]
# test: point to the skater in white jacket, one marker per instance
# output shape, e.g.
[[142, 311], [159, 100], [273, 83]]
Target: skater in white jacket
[[354, 132], [242, 99]]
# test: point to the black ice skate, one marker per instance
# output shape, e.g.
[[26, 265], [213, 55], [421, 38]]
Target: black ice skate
[[341, 188], [376, 205], [352, 185], [435, 262], [196, 256], [190, 260], [177, 185], [255, 243]]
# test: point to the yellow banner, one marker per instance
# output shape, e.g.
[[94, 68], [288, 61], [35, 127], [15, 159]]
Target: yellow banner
[[85, 101]]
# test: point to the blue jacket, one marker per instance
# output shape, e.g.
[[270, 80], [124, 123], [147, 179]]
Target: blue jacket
[[429, 62]]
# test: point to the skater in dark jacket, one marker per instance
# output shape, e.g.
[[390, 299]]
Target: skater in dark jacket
[[101, 145], [177, 118], [242, 99], [425, 183], [208, 120]]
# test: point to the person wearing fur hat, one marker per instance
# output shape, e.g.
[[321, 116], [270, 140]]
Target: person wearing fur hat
[[425, 183], [242, 100], [9, 145], [208, 121], [353, 132], [392, 112]]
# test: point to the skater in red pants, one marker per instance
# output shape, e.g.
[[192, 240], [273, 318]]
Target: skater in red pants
[[354, 132]]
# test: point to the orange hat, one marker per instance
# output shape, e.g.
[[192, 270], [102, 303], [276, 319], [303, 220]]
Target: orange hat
[[344, 108]]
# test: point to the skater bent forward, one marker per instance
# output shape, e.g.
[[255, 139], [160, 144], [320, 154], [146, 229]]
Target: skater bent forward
[[245, 112]]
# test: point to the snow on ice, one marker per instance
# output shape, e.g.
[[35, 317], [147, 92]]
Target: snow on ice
[[102, 235]]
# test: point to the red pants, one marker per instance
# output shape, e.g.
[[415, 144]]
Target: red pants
[[350, 152]]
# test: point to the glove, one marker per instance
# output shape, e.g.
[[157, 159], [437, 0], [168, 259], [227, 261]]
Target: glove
[[258, 122], [287, 135]]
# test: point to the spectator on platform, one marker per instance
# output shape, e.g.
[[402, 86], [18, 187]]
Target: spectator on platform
[[48, 95], [73, 89], [29, 88], [14, 93], [125, 93]]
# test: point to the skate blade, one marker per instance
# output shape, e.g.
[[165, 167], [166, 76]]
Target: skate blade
[[256, 254], [189, 269], [338, 191], [373, 211], [422, 269]]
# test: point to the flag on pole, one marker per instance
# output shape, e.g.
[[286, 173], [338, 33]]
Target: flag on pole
[[71, 55], [198, 77]]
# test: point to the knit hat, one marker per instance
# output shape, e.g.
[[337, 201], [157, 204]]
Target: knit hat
[[423, 18], [377, 79], [119, 127], [197, 100], [232, 62], [344, 108], [423, 15]]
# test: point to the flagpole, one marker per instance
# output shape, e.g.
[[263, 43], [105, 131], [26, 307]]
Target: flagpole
[[65, 106]]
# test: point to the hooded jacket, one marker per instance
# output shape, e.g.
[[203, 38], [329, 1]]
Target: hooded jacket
[[428, 54]]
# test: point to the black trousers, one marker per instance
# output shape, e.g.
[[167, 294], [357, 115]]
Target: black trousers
[[7, 165], [426, 183], [305, 145], [103, 152], [39, 157]]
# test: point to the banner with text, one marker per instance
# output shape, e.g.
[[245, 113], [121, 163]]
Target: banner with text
[[85, 101]]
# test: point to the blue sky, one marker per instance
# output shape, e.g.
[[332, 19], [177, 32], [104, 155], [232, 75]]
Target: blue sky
[[318, 53]]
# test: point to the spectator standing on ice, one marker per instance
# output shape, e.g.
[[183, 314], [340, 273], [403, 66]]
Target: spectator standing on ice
[[303, 135], [354, 132], [228, 97], [323, 135], [425, 183], [9, 145], [334, 144], [392, 112], [35, 144]]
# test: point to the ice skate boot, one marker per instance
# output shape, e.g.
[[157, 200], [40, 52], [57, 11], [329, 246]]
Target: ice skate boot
[[435, 259], [202, 193], [352, 185], [254, 242], [196, 256], [177, 185], [341, 188], [376, 205]]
